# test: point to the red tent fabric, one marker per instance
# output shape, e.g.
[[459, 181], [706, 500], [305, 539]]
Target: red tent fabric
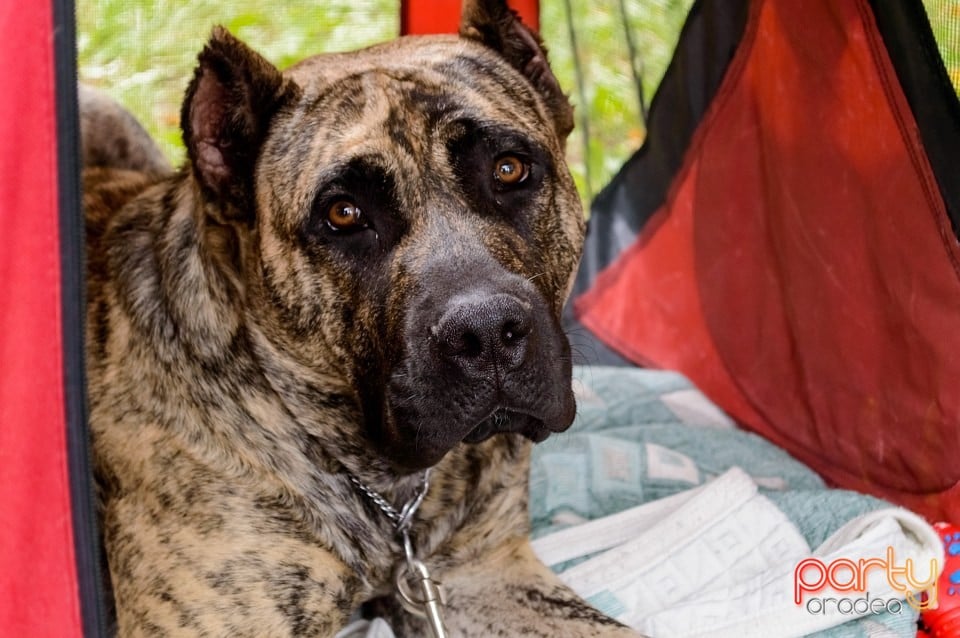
[[38, 579], [49, 573], [802, 269]]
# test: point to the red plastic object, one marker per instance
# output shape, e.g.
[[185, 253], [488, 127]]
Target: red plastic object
[[421, 17], [944, 621]]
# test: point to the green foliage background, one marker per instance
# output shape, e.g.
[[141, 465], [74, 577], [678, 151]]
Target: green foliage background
[[945, 20]]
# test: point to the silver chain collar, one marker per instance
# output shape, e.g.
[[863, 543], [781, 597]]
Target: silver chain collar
[[428, 605], [403, 519]]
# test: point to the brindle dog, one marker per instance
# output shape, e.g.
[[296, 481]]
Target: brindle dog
[[359, 271]]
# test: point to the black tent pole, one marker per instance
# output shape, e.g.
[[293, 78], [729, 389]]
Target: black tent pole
[[86, 538]]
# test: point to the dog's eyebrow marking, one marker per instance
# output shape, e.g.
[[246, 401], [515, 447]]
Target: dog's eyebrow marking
[[368, 169], [498, 138], [468, 69]]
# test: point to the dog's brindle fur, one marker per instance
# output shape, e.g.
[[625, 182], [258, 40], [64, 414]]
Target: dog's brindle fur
[[244, 354]]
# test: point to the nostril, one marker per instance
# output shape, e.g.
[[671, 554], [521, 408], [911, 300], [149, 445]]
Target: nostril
[[513, 332], [458, 341], [470, 345]]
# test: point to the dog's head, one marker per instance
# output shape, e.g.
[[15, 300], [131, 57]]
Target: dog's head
[[406, 220]]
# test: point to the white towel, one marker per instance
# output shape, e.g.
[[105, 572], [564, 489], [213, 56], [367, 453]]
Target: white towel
[[719, 560], [376, 628]]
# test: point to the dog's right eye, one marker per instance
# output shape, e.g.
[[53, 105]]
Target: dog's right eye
[[345, 215], [510, 170]]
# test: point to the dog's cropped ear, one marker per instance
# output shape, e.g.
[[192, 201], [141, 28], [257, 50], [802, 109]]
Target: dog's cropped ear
[[225, 116], [494, 24]]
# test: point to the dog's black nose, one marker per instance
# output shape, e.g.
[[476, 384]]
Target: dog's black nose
[[480, 332]]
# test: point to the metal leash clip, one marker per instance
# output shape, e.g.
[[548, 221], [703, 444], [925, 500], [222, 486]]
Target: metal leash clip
[[429, 603]]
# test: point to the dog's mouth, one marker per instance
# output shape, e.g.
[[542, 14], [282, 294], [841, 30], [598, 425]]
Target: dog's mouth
[[419, 434], [503, 420]]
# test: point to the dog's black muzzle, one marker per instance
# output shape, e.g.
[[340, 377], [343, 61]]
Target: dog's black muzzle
[[484, 355]]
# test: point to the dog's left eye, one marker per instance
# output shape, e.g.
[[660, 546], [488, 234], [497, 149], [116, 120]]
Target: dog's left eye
[[345, 215], [510, 170]]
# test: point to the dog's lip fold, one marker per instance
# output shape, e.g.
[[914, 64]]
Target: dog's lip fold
[[503, 419], [413, 437]]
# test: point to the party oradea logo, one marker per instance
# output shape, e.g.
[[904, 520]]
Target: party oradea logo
[[841, 585]]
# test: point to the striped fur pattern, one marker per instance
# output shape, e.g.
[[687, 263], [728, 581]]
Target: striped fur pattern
[[311, 295]]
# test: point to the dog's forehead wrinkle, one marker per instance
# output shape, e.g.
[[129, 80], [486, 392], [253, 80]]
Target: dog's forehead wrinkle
[[441, 92]]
